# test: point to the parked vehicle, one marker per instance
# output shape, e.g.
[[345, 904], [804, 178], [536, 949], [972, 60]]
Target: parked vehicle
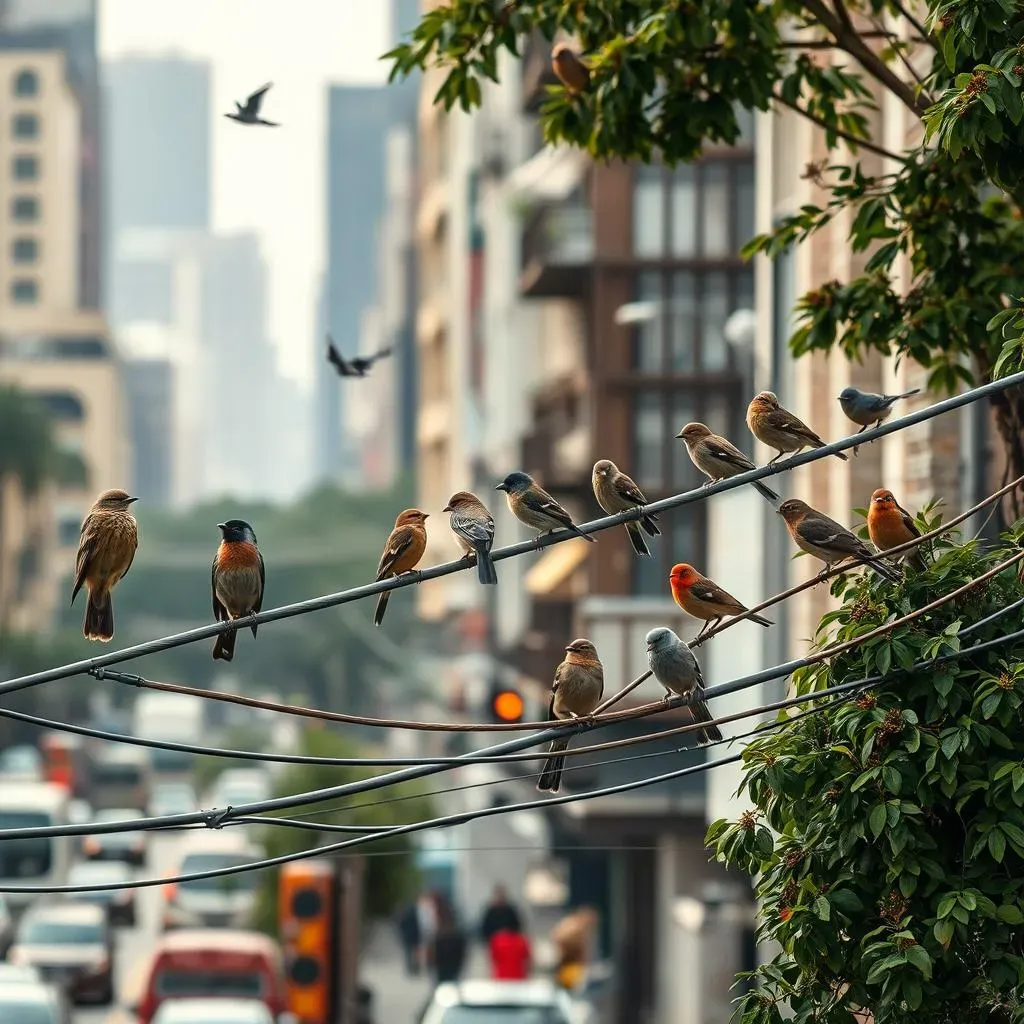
[[67, 762], [499, 1002], [214, 1011], [129, 847], [71, 945], [172, 798], [240, 786], [120, 777], [119, 904], [21, 763], [20, 973], [33, 1003], [174, 717], [29, 861], [210, 963]]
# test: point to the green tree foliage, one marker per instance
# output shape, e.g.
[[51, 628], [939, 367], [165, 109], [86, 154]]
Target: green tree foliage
[[886, 833], [669, 75], [391, 874]]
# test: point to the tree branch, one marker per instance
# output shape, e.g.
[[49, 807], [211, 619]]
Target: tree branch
[[898, 48], [928, 37], [848, 136]]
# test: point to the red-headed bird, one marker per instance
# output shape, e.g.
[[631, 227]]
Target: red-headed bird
[[402, 552], [236, 579], [704, 599], [889, 526]]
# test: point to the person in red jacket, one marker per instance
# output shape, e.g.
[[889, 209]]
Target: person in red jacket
[[510, 955]]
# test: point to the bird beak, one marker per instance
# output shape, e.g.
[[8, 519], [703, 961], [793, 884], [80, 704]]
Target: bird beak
[[680, 434], [220, 526], [779, 511], [501, 487], [447, 508], [130, 500], [650, 647]]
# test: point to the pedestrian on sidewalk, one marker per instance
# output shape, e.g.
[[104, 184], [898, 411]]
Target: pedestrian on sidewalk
[[426, 923], [408, 922], [510, 955], [448, 954], [500, 915]]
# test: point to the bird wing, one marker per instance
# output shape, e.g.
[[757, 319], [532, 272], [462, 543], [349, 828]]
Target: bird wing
[[783, 419], [398, 543], [908, 520], [719, 448], [220, 613], [258, 606], [625, 488], [823, 532], [381, 354], [473, 528], [252, 104], [540, 501], [334, 357], [712, 593], [83, 557]]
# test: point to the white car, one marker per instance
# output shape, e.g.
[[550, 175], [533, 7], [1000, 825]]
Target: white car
[[18, 973], [32, 1003], [500, 1002], [240, 786], [213, 1011]]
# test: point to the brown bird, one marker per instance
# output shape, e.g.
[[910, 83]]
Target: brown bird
[[615, 492], [473, 527], [780, 429], [402, 552], [570, 70], [889, 526], [575, 693], [718, 458], [106, 547], [704, 599], [824, 538]]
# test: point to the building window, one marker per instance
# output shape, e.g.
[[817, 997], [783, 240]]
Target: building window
[[24, 290], [25, 209], [26, 83], [25, 126], [26, 167], [63, 406], [648, 212], [69, 528], [24, 250]]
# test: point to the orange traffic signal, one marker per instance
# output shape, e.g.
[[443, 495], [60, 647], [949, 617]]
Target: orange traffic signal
[[306, 919], [507, 706]]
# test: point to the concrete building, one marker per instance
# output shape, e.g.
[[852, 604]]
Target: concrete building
[[39, 210], [149, 391]]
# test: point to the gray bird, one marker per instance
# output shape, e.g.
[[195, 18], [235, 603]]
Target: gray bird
[[534, 507], [675, 667], [867, 408], [615, 492], [474, 530], [575, 693], [249, 113]]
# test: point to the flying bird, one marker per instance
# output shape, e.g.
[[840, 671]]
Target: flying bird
[[704, 599], [616, 492], [675, 667], [779, 428], [402, 552], [106, 547], [818, 535], [250, 112], [236, 579], [358, 366], [534, 507], [473, 527], [717, 458], [890, 525], [575, 693], [867, 408], [569, 69]]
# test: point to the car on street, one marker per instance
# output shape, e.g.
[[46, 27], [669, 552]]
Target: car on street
[[237, 786], [19, 973], [226, 901], [214, 1011], [129, 846], [31, 1002], [71, 945], [500, 1002], [172, 798], [119, 904]]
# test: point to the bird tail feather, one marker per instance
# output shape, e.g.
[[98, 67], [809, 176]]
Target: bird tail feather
[[907, 394], [573, 528], [841, 455], [648, 523], [766, 491], [701, 713], [382, 607], [761, 620], [551, 778], [636, 538], [485, 570], [224, 648], [99, 617]]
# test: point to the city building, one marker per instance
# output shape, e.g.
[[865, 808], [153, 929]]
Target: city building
[[149, 391]]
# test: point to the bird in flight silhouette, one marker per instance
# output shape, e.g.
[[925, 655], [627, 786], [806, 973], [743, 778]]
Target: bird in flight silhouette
[[250, 113], [358, 366]]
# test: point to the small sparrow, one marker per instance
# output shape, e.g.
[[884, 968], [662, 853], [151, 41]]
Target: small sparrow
[[474, 530], [867, 408], [236, 579], [534, 507], [704, 599], [889, 526], [718, 458], [615, 492], [675, 667], [402, 552], [779, 428], [569, 69]]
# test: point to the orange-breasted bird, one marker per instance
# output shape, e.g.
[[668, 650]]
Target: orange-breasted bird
[[818, 535], [473, 527], [402, 552], [616, 492], [570, 70], [890, 525], [704, 599], [106, 547], [575, 693], [718, 458], [779, 428], [237, 578]]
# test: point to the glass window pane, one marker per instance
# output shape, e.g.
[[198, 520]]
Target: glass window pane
[[714, 302], [684, 212], [683, 541], [744, 176], [648, 437], [648, 334], [650, 579], [683, 323], [745, 119], [684, 474], [716, 210], [648, 212]]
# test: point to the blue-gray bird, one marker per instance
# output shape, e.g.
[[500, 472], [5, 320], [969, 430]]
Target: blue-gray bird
[[868, 409], [474, 530], [675, 667], [616, 492], [534, 507], [237, 579]]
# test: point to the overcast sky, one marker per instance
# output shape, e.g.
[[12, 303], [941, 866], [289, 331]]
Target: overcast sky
[[270, 180]]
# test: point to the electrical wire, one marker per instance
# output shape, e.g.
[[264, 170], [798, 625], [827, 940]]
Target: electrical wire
[[447, 568]]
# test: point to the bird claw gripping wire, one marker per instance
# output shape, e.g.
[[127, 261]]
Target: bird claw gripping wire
[[216, 817]]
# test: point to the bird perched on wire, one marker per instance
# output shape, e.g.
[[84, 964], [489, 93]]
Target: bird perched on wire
[[569, 69], [575, 693], [868, 409], [237, 580], [818, 535], [704, 599], [402, 552], [534, 507], [675, 667], [615, 492], [718, 458], [358, 366], [890, 525], [779, 428], [473, 527], [106, 547], [249, 113]]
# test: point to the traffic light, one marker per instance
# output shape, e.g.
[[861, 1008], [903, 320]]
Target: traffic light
[[506, 704], [307, 905]]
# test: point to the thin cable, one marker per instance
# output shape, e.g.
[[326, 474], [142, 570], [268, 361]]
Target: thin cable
[[447, 568]]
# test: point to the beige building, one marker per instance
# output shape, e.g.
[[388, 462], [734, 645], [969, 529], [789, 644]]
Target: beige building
[[39, 208]]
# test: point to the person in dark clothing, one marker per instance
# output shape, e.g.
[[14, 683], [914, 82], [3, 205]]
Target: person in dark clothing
[[409, 933], [449, 948], [500, 916]]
